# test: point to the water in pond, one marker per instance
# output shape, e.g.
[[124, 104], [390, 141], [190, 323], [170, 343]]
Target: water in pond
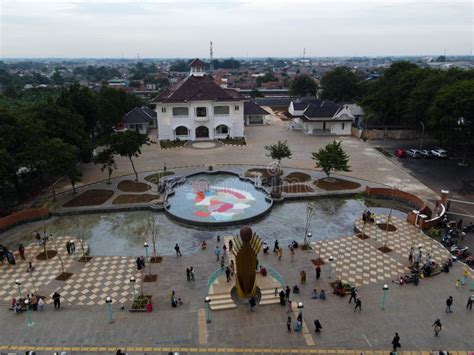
[[216, 198], [124, 233]]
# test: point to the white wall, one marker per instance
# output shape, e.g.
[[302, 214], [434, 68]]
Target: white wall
[[337, 128], [167, 123]]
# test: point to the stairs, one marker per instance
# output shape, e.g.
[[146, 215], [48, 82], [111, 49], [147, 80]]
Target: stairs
[[268, 297], [221, 301]]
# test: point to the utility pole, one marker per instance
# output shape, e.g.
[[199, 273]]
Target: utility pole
[[211, 56], [422, 134]]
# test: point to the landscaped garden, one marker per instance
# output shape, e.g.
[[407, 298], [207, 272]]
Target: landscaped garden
[[134, 198], [233, 141], [172, 144], [335, 184], [132, 186]]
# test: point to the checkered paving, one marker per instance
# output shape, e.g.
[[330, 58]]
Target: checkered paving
[[405, 237], [358, 262], [99, 278], [45, 270]]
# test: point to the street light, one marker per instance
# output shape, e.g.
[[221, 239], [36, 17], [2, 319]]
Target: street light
[[422, 134], [28, 315], [462, 124], [145, 245], [309, 235], [108, 300], [132, 283], [207, 301], [330, 267], [384, 296], [18, 283]]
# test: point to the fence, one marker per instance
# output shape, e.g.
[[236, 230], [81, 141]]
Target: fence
[[21, 217]]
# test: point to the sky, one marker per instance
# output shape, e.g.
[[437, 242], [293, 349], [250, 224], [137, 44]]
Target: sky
[[254, 28]]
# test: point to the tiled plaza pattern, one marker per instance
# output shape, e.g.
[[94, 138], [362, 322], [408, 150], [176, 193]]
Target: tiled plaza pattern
[[102, 277], [405, 237], [358, 262], [45, 270]]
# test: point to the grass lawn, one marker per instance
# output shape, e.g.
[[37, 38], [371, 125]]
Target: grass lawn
[[90, 198], [335, 184], [124, 199], [171, 144], [132, 186], [233, 141], [155, 178], [297, 177]]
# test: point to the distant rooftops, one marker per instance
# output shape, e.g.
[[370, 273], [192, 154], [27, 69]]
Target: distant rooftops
[[139, 115]]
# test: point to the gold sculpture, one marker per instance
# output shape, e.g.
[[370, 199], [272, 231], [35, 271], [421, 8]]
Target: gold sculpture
[[245, 249]]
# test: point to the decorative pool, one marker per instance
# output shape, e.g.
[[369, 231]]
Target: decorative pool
[[216, 199]]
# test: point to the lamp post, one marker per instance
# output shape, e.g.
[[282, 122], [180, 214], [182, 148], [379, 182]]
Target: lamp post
[[28, 314], [309, 235], [462, 125], [108, 300], [207, 301], [18, 283], [384, 296], [330, 267], [145, 245], [422, 134], [132, 284]]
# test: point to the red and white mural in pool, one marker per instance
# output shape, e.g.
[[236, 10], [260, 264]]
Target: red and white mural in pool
[[218, 202]]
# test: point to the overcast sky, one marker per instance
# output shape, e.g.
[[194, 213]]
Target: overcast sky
[[99, 28]]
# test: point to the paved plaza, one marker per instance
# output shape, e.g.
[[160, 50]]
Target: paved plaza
[[82, 323]]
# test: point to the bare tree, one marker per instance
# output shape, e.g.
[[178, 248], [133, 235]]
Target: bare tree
[[153, 229], [310, 212]]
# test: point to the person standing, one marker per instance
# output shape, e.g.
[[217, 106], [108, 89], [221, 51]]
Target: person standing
[[222, 262], [353, 294], [276, 247], [318, 272], [287, 292], [280, 253], [232, 268], [302, 277], [449, 304], [288, 324], [188, 274], [224, 251], [217, 252], [227, 274], [292, 253], [192, 273], [470, 301], [437, 327], [396, 342], [178, 250], [57, 300], [358, 303], [40, 304], [252, 304], [21, 251], [464, 277], [231, 245]]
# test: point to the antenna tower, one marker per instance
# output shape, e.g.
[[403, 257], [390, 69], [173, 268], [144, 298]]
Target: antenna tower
[[304, 53], [211, 56]]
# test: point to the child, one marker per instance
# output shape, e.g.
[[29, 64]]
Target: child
[[458, 283]]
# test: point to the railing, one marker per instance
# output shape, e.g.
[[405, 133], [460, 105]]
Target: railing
[[275, 274], [214, 276]]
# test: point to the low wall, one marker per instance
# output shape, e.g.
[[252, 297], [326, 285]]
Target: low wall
[[21, 217], [389, 133]]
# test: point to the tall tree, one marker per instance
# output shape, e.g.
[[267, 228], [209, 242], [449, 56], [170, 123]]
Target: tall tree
[[128, 144], [331, 158], [107, 161], [340, 84], [303, 85]]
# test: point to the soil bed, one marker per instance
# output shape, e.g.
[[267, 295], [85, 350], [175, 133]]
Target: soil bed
[[318, 261], [362, 236], [156, 259], [50, 254], [385, 249], [90, 198], [297, 177], [132, 186], [296, 188], [385, 227], [150, 278], [64, 276], [123, 199], [84, 259], [336, 184]]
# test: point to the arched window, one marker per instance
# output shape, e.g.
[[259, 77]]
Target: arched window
[[222, 129], [181, 131]]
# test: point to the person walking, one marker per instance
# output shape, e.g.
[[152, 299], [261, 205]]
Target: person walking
[[358, 304], [227, 274], [353, 294], [57, 300], [252, 304], [317, 326], [192, 273], [188, 274], [275, 246], [280, 253], [21, 251], [287, 292], [222, 262], [437, 327], [288, 324], [224, 251], [470, 301], [464, 277], [232, 268], [231, 245], [217, 252], [289, 307], [396, 342], [449, 305], [178, 250], [302, 277], [318, 272], [292, 253]]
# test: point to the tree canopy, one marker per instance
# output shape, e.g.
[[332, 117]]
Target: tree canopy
[[303, 85], [340, 84], [331, 158], [279, 151]]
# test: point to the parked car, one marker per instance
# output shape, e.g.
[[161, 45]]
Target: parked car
[[425, 153], [439, 153], [414, 153], [401, 153]]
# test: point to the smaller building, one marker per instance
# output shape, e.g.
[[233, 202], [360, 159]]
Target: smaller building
[[255, 114], [320, 117], [140, 119]]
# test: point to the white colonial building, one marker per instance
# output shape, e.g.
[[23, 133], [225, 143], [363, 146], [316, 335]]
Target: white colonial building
[[320, 117], [198, 108]]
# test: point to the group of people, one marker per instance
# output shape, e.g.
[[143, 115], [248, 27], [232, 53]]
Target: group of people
[[368, 216], [7, 254], [35, 303], [175, 301], [190, 274]]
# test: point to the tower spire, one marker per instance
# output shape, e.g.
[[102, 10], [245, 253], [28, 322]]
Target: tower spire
[[211, 56]]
